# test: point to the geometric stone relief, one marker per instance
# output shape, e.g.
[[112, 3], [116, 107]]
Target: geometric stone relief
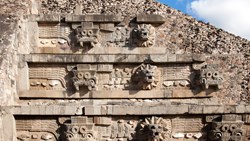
[[131, 128], [87, 35], [210, 77], [81, 33], [84, 76], [37, 129], [80, 128], [226, 129], [54, 36], [73, 33], [98, 80], [189, 128], [44, 78]]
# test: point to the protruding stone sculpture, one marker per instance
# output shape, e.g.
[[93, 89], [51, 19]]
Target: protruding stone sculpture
[[84, 79], [79, 130], [155, 129], [226, 130], [145, 77], [83, 76], [209, 76], [86, 36], [145, 35]]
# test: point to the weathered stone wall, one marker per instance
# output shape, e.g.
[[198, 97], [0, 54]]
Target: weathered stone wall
[[180, 34], [8, 60], [11, 11]]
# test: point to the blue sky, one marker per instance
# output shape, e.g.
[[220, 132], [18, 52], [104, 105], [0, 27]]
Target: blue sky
[[177, 4], [230, 15]]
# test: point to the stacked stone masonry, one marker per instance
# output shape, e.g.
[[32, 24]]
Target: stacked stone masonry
[[131, 70]]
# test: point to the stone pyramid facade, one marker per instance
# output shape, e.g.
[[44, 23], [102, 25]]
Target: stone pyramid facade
[[107, 70]]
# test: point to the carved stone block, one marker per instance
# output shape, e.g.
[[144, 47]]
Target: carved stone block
[[211, 77], [229, 128], [145, 76], [144, 35]]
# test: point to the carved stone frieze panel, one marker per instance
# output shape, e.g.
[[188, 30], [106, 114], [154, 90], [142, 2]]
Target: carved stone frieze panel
[[44, 78], [98, 128], [94, 33], [130, 128], [80, 128], [37, 129], [104, 80], [54, 37]]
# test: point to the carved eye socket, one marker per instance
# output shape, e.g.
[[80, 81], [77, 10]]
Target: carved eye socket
[[218, 135], [84, 32], [89, 135], [215, 74], [69, 136], [90, 32], [225, 127], [233, 127], [80, 75], [152, 127], [209, 74], [87, 75], [82, 129], [75, 129]]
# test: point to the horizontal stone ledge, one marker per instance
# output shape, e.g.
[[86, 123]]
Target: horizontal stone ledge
[[150, 18], [162, 109], [47, 110], [94, 18], [159, 109], [113, 94], [74, 18], [94, 58], [44, 18]]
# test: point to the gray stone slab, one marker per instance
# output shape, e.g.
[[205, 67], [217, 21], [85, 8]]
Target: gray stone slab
[[111, 58], [195, 109], [229, 109], [94, 18], [45, 18], [213, 109], [247, 109], [92, 110], [240, 109], [150, 18]]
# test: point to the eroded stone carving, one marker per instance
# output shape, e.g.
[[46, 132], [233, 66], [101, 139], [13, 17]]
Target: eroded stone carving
[[83, 76], [80, 129], [60, 32], [29, 130], [47, 78], [155, 129], [87, 35], [209, 76], [229, 129], [145, 77], [145, 35]]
